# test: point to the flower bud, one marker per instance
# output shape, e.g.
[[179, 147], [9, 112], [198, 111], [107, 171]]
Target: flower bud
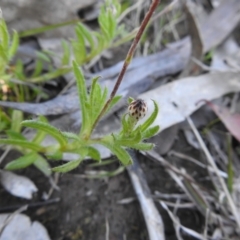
[[137, 109]]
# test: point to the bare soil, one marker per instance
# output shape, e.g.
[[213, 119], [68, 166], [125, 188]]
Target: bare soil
[[86, 205]]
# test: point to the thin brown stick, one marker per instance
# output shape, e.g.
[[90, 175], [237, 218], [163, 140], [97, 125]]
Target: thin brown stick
[[128, 58]]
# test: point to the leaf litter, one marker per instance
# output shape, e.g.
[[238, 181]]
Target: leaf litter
[[178, 99]]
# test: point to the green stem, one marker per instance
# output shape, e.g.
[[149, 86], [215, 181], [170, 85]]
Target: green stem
[[128, 58]]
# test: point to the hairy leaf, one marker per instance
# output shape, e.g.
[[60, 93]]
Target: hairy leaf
[[45, 127], [22, 162], [83, 98], [22, 144], [94, 153], [121, 153], [17, 117], [70, 135], [142, 146], [88, 36], [15, 135], [130, 141], [150, 132], [43, 165], [67, 166], [66, 53], [113, 102], [151, 119]]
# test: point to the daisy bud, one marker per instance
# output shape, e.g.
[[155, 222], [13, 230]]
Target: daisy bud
[[137, 109]]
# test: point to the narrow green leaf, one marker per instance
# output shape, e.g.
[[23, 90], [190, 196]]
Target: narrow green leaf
[[3, 54], [43, 56], [15, 43], [112, 24], [125, 125], [150, 132], [43, 165], [94, 153], [103, 22], [17, 117], [88, 35], [67, 166], [96, 104], [121, 153], [38, 68], [22, 162], [19, 70], [58, 155], [4, 34], [101, 44], [35, 31], [15, 135], [80, 46], [40, 135], [142, 146], [113, 102], [82, 93], [70, 135], [104, 96], [66, 53], [130, 99], [22, 144], [51, 75], [45, 127], [93, 92], [130, 141], [151, 119]]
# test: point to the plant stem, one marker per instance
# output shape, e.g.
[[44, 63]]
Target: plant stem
[[128, 58]]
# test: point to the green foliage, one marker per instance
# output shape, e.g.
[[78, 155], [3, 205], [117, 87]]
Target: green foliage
[[8, 46], [93, 104], [131, 134]]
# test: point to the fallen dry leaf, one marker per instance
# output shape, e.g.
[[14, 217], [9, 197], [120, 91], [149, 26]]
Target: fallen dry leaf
[[20, 227], [17, 185], [178, 99], [231, 121]]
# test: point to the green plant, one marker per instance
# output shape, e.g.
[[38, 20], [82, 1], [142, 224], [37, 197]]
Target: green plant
[[89, 43], [93, 106], [17, 85]]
